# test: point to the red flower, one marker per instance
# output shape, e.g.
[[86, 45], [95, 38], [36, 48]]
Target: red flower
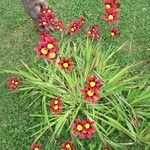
[[36, 147], [47, 47], [89, 128], [56, 105], [107, 148], [48, 13], [115, 32], [93, 83], [46, 16], [111, 15], [78, 128], [90, 94], [44, 22], [94, 32], [111, 4], [59, 25], [82, 21], [68, 146], [83, 128], [76, 26], [66, 64], [13, 83]]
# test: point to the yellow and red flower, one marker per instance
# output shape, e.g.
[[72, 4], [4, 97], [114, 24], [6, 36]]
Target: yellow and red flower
[[47, 47], [111, 15], [114, 32], [66, 64], [89, 128], [94, 32], [76, 26], [13, 83], [93, 83], [107, 148], [111, 4], [56, 105], [36, 147], [90, 94], [78, 127], [68, 145], [83, 128]]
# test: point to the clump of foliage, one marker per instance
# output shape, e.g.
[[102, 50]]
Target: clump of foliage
[[118, 116]]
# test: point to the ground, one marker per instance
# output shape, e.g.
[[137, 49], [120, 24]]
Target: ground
[[18, 36]]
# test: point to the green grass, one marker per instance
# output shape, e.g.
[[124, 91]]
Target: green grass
[[18, 36]]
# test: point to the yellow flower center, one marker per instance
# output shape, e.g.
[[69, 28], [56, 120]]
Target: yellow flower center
[[44, 51], [110, 17], [108, 6], [90, 93], [50, 46], [68, 146], [65, 65], [44, 23], [79, 127], [36, 148], [89, 32], [16, 83], [73, 29], [93, 35], [92, 84], [87, 125], [49, 11], [56, 102], [112, 33], [56, 107], [52, 55]]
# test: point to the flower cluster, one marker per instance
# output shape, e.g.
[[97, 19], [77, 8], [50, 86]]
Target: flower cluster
[[47, 47], [68, 145], [112, 14], [56, 105], [36, 147], [83, 128], [92, 86], [49, 19], [13, 83], [94, 32], [76, 26]]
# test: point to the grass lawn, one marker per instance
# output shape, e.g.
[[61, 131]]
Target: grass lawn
[[18, 37]]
